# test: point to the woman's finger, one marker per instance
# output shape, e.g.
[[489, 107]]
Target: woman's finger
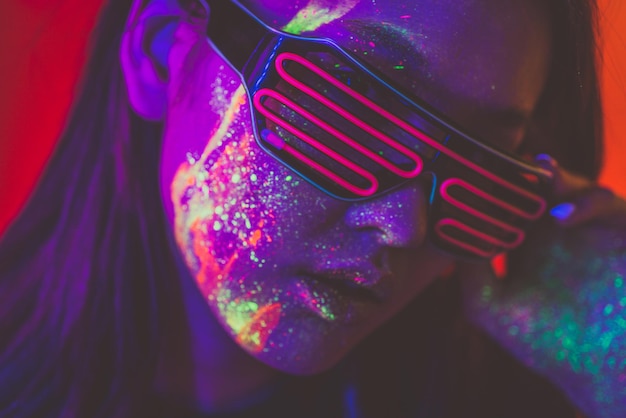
[[596, 204], [564, 183], [580, 200]]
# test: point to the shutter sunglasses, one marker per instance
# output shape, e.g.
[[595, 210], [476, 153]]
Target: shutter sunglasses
[[346, 130]]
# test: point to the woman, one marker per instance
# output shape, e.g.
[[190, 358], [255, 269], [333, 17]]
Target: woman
[[112, 306]]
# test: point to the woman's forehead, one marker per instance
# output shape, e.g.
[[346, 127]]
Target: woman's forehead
[[410, 34], [472, 60], [313, 16]]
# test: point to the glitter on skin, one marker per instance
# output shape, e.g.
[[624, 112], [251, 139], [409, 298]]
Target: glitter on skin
[[315, 301], [254, 330], [565, 307], [265, 271], [196, 208], [317, 13], [235, 265], [220, 221]]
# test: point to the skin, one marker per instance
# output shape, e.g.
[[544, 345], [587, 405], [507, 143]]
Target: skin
[[561, 310], [267, 249], [175, 77], [259, 243]]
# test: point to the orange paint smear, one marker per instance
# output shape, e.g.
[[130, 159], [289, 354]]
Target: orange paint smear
[[255, 334], [209, 268]]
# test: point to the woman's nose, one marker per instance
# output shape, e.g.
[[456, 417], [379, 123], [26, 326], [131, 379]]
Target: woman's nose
[[399, 216]]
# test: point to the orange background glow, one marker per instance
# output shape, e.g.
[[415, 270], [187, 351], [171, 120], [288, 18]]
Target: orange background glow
[[43, 46]]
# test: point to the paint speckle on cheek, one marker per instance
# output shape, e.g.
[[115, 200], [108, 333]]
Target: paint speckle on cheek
[[567, 316], [317, 13], [252, 325], [219, 219], [232, 205]]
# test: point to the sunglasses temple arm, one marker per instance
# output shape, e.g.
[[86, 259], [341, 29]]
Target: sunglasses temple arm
[[234, 31]]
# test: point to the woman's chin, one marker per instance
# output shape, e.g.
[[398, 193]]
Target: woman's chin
[[301, 345], [301, 361]]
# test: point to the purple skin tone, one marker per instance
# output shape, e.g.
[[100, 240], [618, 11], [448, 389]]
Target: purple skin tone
[[562, 312], [295, 277]]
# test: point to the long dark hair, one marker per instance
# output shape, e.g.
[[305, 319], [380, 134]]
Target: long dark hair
[[568, 118], [81, 269], [84, 268]]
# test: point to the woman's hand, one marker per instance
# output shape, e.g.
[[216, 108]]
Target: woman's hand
[[582, 201], [561, 310]]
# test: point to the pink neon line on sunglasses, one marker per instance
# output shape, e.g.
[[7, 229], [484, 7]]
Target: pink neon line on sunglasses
[[316, 144], [482, 199], [516, 232], [283, 58], [408, 128], [476, 250]]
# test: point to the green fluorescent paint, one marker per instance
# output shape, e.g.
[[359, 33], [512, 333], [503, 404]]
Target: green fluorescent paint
[[316, 14]]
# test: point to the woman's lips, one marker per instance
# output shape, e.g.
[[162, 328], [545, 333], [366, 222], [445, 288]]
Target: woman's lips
[[372, 287], [341, 297]]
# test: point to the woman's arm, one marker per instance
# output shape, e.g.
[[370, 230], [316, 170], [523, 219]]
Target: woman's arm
[[562, 309]]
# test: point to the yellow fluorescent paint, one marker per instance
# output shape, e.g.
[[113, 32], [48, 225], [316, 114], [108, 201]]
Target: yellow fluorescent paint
[[198, 212], [186, 176], [317, 13], [253, 328]]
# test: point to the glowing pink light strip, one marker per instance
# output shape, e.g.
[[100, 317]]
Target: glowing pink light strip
[[470, 248], [314, 143], [340, 135], [285, 56], [519, 234], [350, 117], [481, 193]]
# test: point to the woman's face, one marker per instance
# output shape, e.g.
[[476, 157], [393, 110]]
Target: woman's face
[[296, 277]]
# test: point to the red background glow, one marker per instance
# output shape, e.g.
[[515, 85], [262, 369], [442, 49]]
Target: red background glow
[[43, 46]]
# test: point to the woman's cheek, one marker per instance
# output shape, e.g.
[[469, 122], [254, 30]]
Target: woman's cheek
[[231, 204], [227, 204]]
